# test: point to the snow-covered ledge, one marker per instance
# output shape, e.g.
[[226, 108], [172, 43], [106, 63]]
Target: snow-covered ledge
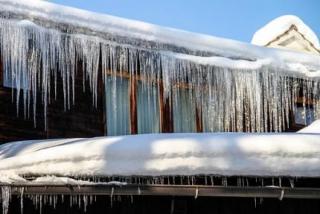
[[224, 154]]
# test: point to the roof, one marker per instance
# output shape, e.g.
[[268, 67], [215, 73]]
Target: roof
[[278, 27], [192, 46]]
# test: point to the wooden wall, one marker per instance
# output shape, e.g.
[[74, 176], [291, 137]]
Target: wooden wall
[[82, 120], [176, 205]]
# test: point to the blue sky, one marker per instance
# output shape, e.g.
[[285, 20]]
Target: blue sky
[[235, 19]]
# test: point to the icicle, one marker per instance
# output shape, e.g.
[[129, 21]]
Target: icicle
[[111, 196], [139, 191], [41, 203], [197, 193], [280, 182], [261, 201], [291, 182], [6, 197], [172, 206], [239, 182], [85, 202], [281, 195], [224, 181], [21, 199]]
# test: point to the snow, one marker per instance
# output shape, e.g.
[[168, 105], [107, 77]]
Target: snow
[[70, 181], [280, 25], [312, 128], [146, 31], [225, 154]]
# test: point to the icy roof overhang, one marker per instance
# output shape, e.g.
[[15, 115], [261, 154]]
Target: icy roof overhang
[[202, 49]]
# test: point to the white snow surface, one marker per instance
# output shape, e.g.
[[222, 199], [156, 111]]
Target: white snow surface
[[51, 179], [312, 128], [280, 25], [225, 154], [151, 32]]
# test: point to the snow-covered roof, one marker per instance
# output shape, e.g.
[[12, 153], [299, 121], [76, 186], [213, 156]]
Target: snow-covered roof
[[224, 154], [280, 25], [86, 22]]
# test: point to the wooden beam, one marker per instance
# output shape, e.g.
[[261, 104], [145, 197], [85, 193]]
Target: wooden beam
[[133, 105], [142, 78], [167, 190], [166, 113], [101, 98], [199, 119], [1, 71]]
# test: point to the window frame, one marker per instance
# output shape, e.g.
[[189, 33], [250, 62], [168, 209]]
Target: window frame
[[165, 106]]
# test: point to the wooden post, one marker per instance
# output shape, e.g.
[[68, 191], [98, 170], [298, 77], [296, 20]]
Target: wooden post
[[199, 120], [1, 71], [166, 117], [102, 98], [133, 105]]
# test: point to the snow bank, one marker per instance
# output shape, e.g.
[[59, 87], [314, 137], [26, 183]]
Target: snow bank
[[225, 154], [312, 128], [280, 25]]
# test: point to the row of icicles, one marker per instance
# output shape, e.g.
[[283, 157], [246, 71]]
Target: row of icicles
[[82, 201], [36, 60]]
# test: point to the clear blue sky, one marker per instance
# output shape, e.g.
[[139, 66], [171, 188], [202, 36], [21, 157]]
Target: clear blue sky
[[235, 19]]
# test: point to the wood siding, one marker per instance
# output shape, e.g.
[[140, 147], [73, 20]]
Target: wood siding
[[82, 120]]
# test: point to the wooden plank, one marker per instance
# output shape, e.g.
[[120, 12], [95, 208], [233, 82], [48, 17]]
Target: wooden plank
[[199, 119], [166, 113], [133, 105], [1, 71], [167, 190]]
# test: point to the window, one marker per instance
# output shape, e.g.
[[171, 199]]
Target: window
[[184, 113], [117, 106], [7, 80], [304, 116], [148, 108], [10, 81]]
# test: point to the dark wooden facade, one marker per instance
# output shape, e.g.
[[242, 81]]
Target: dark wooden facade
[[177, 205], [82, 119]]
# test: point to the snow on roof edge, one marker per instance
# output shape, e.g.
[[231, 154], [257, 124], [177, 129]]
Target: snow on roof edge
[[150, 32], [280, 25]]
